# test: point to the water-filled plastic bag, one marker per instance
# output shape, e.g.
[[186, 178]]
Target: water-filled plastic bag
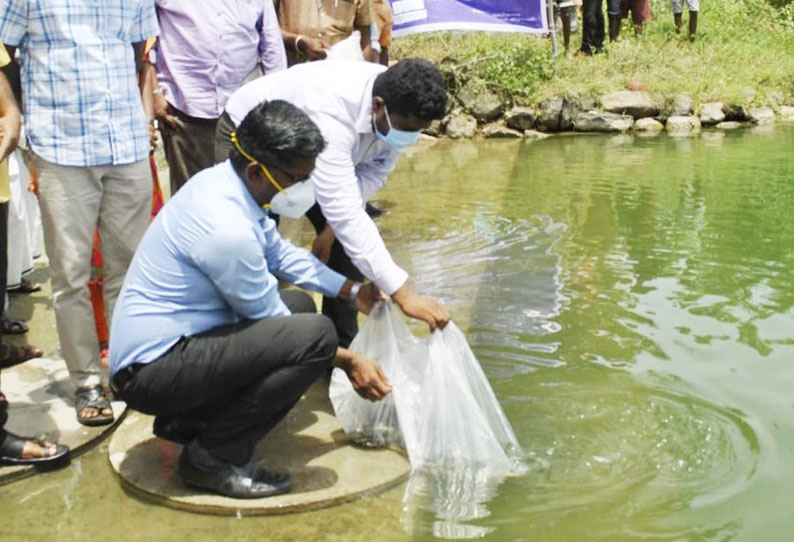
[[441, 409]]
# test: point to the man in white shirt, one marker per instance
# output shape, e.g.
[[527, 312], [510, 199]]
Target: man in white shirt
[[368, 116]]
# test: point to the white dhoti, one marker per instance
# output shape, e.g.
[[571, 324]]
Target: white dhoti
[[24, 222]]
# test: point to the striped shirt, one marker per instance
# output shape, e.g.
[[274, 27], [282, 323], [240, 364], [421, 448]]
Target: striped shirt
[[80, 95]]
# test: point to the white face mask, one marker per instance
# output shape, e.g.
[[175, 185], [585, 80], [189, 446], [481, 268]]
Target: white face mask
[[294, 201]]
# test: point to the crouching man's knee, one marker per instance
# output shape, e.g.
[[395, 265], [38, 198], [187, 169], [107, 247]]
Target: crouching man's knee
[[321, 338]]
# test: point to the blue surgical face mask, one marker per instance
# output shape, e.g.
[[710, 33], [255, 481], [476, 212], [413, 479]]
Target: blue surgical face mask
[[395, 139]]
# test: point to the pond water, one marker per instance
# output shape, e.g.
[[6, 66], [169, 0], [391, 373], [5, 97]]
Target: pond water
[[632, 303]]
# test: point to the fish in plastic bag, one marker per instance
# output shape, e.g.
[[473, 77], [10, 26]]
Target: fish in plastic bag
[[441, 408]]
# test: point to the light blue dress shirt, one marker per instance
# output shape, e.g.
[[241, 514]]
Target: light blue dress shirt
[[211, 257]]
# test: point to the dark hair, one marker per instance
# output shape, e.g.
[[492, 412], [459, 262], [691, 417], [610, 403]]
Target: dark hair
[[277, 133], [412, 87]]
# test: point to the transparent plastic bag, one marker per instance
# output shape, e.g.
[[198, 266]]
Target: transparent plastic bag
[[442, 408], [366, 422], [346, 49]]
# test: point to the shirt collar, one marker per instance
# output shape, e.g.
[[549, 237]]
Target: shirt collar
[[364, 119], [239, 185]]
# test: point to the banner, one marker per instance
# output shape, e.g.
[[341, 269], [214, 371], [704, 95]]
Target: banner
[[414, 16]]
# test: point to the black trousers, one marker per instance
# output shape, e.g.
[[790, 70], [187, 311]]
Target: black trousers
[[592, 26], [344, 316], [239, 379]]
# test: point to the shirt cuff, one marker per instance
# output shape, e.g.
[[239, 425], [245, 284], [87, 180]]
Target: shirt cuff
[[391, 280], [332, 284]]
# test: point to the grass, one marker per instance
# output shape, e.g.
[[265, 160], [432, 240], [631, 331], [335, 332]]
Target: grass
[[741, 44]]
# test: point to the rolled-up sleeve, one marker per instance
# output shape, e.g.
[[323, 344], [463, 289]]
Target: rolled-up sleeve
[[13, 21], [145, 24], [233, 260], [271, 44], [337, 191]]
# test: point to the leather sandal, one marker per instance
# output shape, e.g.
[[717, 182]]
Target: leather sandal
[[11, 355], [12, 446], [96, 398], [12, 326], [24, 287]]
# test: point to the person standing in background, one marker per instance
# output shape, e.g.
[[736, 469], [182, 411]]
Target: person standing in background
[[206, 51], [15, 450], [678, 10], [592, 27], [384, 21], [640, 13], [10, 125], [310, 27], [86, 128]]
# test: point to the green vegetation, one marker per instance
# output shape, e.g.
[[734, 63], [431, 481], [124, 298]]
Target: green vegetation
[[740, 44]]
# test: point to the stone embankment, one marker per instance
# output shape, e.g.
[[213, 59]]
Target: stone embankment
[[476, 110]]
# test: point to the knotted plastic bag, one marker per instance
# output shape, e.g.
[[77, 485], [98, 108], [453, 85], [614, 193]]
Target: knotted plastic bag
[[441, 409]]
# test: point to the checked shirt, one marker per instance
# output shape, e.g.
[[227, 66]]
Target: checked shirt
[[81, 100]]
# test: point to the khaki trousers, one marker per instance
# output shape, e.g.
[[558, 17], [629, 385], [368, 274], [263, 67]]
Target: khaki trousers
[[117, 199]]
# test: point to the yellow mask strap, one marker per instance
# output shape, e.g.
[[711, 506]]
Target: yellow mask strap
[[249, 157]]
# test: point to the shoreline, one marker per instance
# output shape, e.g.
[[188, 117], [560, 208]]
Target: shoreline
[[481, 113]]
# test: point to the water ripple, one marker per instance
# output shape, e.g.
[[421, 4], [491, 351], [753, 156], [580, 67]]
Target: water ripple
[[653, 445]]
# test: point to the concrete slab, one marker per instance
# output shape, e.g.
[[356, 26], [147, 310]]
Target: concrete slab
[[309, 444], [41, 400]]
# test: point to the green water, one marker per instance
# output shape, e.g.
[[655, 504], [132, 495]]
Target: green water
[[631, 302]]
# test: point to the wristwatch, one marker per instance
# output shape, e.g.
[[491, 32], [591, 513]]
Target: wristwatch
[[354, 292]]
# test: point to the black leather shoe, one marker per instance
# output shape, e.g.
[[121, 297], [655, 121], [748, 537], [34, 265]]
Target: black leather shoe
[[199, 468], [176, 430]]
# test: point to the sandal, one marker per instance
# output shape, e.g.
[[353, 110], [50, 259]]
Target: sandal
[[92, 397], [13, 326], [25, 287], [12, 450], [11, 355]]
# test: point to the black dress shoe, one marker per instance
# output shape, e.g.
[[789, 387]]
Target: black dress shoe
[[372, 211], [176, 430], [199, 468]]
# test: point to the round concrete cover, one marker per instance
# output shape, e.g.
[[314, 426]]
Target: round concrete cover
[[41, 403], [309, 444]]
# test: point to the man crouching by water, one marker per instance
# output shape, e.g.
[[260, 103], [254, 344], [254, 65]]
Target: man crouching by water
[[201, 336]]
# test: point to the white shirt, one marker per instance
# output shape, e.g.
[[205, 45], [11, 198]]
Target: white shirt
[[337, 96]]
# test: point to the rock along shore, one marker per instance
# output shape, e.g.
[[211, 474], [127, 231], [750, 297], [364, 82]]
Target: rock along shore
[[477, 110]]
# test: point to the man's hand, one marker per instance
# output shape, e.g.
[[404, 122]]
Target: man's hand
[[368, 295], [421, 307], [162, 112], [313, 48], [323, 243], [152, 136], [370, 54], [10, 119], [10, 125], [364, 373]]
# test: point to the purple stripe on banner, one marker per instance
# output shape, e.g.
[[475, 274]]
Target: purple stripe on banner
[[413, 16]]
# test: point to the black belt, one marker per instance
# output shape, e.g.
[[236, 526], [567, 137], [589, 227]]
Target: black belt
[[120, 379]]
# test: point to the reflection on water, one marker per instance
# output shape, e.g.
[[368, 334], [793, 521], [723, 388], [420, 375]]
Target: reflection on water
[[631, 300], [444, 502]]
